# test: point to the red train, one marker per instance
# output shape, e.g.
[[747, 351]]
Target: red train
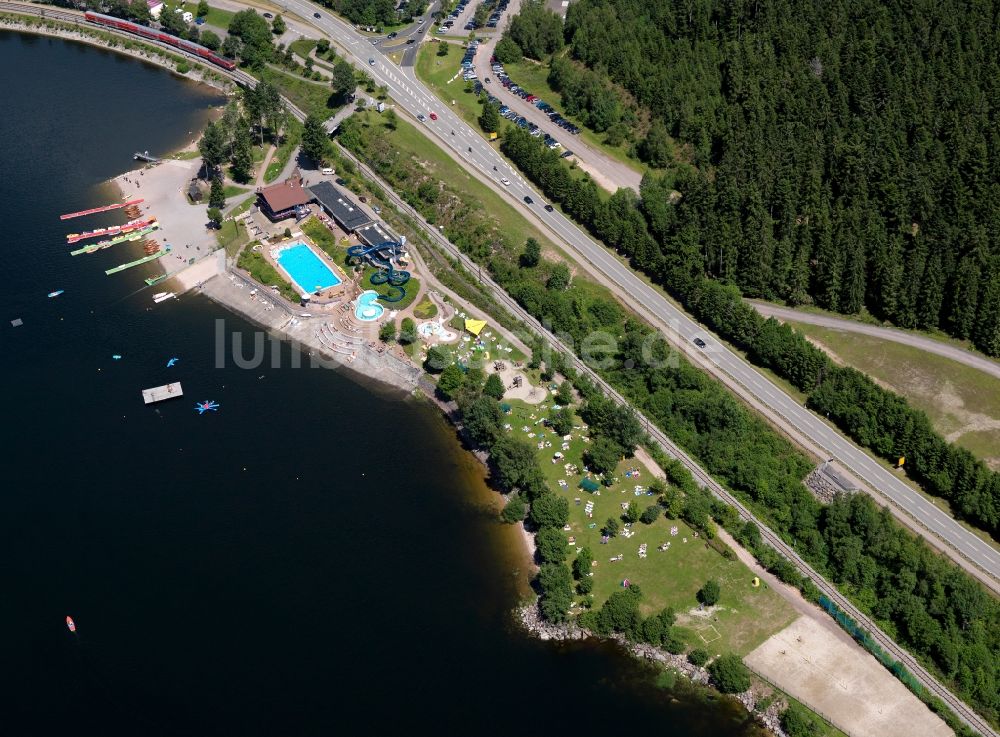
[[154, 35]]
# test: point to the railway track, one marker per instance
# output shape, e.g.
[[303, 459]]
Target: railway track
[[928, 681]]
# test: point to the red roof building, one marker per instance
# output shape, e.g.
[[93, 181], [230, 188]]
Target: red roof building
[[280, 201]]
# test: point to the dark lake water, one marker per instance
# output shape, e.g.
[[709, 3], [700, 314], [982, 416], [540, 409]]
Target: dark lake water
[[315, 558]]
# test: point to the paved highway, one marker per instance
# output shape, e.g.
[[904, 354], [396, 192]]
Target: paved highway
[[452, 132], [975, 360]]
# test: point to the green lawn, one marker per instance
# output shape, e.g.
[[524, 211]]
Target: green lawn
[[746, 615], [409, 140], [425, 310], [231, 190], [303, 46], [216, 17], [309, 96], [263, 273], [962, 402], [412, 288], [231, 236], [243, 206], [291, 140], [186, 155], [435, 71]]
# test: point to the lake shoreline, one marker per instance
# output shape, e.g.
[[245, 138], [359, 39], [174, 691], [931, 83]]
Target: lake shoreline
[[59, 29]]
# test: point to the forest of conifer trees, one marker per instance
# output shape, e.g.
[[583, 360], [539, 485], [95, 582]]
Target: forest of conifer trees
[[845, 153]]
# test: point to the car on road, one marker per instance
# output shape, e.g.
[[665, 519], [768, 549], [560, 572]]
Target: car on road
[[371, 61], [505, 181], [392, 35], [528, 200], [434, 116], [421, 117], [699, 342], [549, 208], [268, 15], [411, 40], [317, 15], [326, 170], [487, 80]]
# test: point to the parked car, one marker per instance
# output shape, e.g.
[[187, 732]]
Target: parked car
[[326, 170], [268, 16]]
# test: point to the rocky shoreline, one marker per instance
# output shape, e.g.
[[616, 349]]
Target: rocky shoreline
[[530, 619]]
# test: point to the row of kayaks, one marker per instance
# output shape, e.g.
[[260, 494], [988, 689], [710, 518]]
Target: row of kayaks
[[128, 227], [131, 236]]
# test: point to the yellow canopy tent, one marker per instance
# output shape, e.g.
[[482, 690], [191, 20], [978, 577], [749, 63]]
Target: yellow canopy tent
[[475, 326]]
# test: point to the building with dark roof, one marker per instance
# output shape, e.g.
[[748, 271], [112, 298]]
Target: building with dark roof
[[344, 211], [374, 232], [282, 200]]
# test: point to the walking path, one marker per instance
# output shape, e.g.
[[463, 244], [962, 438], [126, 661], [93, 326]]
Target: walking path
[[896, 335]]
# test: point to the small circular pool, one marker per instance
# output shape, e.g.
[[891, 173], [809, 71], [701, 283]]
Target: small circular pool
[[367, 308]]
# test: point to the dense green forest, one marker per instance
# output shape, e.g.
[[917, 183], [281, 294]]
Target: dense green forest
[[875, 417], [847, 152]]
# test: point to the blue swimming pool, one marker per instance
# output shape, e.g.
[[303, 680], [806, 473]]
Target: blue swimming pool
[[368, 309], [306, 269]]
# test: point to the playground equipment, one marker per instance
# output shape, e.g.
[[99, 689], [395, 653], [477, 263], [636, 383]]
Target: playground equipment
[[380, 256]]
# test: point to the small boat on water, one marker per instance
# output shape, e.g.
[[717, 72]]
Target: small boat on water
[[70, 624], [56, 293], [159, 294], [163, 296]]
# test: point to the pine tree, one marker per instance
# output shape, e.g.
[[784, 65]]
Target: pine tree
[[217, 196]]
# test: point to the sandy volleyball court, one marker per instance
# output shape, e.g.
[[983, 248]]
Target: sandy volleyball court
[[842, 682]]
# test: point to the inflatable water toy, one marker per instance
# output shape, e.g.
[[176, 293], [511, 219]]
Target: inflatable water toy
[[204, 407]]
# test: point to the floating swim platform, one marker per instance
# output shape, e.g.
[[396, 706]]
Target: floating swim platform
[[160, 393], [94, 210], [137, 262]]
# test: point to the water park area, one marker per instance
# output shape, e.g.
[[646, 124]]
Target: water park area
[[305, 269], [367, 308], [435, 330]]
